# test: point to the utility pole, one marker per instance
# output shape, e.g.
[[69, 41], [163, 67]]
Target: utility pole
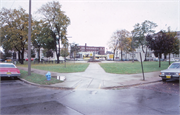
[[29, 41]]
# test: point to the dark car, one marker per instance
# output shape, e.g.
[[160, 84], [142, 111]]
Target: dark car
[[172, 72], [2, 60]]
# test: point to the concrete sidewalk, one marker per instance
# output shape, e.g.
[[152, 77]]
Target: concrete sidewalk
[[94, 77]]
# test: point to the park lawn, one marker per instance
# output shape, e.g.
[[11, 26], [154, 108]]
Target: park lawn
[[132, 68], [38, 79], [60, 68]]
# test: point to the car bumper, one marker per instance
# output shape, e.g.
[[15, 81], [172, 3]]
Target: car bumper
[[174, 77], [10, 75]]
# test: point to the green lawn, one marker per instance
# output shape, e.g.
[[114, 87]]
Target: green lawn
[[131, 68], [39, 79], [60, 68]]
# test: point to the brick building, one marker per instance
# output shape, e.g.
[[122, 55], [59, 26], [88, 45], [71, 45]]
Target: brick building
[[96, 50]]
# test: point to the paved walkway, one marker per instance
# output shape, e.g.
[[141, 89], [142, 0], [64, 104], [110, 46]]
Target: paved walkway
[[94, 77]]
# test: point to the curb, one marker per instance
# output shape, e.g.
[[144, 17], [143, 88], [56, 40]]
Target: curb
[[69, 88], [44, 86], [131, 85]]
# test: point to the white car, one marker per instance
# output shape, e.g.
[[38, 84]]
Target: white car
[[172, 72]]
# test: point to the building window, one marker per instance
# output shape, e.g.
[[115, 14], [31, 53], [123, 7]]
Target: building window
[[149, 54], [176, 55]]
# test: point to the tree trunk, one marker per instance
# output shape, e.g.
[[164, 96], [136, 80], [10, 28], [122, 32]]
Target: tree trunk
[[169, 59], [165, 56], [54, 36], [58, 51], [159, 60], [133, 57], [113, 54], [121, 54], [19, 57], [39, 55], [142, 49], [146, 54]]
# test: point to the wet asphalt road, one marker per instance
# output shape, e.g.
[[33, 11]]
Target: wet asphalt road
[[21, 98]]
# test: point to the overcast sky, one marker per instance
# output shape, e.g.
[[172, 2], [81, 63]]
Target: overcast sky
[[94, 21]]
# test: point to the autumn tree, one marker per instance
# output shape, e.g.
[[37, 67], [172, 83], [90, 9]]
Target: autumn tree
[[57, 21], [175, 48], [123, 41], [64, 50], [14, 30]]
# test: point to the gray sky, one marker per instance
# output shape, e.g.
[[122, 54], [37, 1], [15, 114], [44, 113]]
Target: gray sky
[[94, 21]]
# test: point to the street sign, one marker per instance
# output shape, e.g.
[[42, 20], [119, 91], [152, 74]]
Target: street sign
[[142, 56]]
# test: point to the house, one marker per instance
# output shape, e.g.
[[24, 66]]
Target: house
[[149, 56], [89, 51]]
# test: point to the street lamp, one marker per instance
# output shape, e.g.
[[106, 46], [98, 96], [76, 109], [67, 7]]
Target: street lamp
[[29, 40]]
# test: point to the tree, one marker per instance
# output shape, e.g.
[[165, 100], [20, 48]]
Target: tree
[[57, 21], [33, 53], [14, 30], [74, 49], [41, 37], [64, 50], [174, 49], [113, 43], [140, 31], [123, 36], [160, 43], [7, 54]]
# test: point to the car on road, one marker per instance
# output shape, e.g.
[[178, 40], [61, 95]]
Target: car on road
[[9, 70], [172, 72]]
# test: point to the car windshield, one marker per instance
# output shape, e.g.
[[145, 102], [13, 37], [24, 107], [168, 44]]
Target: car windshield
[[7, 66], [175, 66]]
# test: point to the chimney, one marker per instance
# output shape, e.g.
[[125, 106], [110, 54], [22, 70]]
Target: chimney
[[85, 47]]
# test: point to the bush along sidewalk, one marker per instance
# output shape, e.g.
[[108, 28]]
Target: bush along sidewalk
[[38, 79]]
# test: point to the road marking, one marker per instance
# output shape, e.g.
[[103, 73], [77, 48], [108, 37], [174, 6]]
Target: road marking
[[77, 86], [99, 86]]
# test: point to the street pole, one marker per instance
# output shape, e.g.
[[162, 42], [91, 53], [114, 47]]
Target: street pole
[[29, 41], [142, 66]]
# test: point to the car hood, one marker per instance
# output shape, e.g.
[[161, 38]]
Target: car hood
[[171, 70]]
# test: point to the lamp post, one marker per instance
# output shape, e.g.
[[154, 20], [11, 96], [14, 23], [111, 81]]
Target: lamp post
[[29, 40], [132, 47]]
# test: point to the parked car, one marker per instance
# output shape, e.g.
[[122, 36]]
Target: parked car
[[27, 59], [171, 59], [172, 72], [9, 70], [155, 59], [2, 60]]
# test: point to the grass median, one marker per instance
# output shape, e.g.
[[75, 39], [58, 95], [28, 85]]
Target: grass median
[[133, 68], [60, 68], [37, 78]]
